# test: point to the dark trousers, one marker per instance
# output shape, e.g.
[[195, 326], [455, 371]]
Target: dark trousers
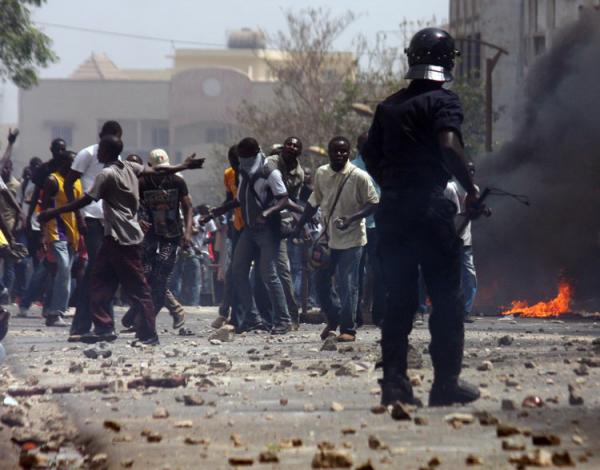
[[371, 289], [82, 322], [418, 229], [160, 255], [121, 265]]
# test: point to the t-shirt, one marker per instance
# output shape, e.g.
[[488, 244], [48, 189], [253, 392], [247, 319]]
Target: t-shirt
[[360, 163], [118, 187], [161, 196], [230, 182], [402, 150], [264, 188], [293, 179], [86, 162], [200, 238], [8, 212], [455, 192], [357, 192]]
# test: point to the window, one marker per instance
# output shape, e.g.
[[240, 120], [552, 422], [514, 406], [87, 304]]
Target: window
[[63, 132], [215, 135], [160, 137]]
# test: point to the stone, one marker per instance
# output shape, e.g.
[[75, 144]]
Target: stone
[[505, 430], [336, 407], [375, 443], [421, 421], [378, 409], [575, 398], [75, 368], [151, 436], [330, 344], [99, 460], [530, 365], [13, 417], [532, 401], [350, 369], [485, 366], [537, 458], [457, 420], [545, 439], [193, 400], [268, 457], [332, 459], [581, 371], [241, 461], [127, 463], [194, 441], [112, 425], [513, 445], [215, 342], [184, 424], [160, 413], [486, 418], [225, 334], [34, 459], [562, 459], [368, 465], [415, 358], [577, 440], [434, 462], [505, 340], [473, 460], [400, 412]]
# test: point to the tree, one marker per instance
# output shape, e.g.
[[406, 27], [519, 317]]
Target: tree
[[23, 48]]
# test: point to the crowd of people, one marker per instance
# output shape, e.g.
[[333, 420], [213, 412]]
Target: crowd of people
[[86, 224]]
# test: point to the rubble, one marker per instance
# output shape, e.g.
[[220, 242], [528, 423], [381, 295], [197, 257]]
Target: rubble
[[537, 458], [400, 412], [505, 340], [112, 425], [457, 420], [225, 334], [545, 439], [193, 400], [332, 459], [485, 366], [330, 344], [241, 461], [160, 413], [13, 417], [575, 398], [268, 457], [336, 407]]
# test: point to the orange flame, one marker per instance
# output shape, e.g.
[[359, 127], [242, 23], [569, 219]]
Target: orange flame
[[560, 304]]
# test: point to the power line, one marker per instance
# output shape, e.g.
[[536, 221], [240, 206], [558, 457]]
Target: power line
[[127, 35]]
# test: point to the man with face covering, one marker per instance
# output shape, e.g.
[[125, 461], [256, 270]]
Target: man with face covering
[[261, 196], [293, 178], [346, 196]]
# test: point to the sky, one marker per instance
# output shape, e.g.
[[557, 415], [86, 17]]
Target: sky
[[191, 20]]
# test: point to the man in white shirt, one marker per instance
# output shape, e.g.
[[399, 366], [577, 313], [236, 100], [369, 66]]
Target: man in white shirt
[[457, 195], [86, 166]]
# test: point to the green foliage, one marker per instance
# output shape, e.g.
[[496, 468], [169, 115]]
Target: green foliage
[[472, 97], [23, 48]]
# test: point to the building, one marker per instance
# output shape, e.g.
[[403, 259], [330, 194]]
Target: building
[[524, 28], [188, 108]]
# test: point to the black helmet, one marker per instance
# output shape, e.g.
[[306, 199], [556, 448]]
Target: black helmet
[[431, 55]]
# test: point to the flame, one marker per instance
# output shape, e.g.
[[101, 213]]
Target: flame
[[558, 305]]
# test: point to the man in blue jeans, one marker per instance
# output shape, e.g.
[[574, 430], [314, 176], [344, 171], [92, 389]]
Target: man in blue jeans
[[261, 196], [346, 195]]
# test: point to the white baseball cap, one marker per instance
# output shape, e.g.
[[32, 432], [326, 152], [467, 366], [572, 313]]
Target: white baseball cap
[[158, 158]]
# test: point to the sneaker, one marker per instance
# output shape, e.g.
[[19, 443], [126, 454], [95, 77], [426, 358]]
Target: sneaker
[[218, 322], [452, 392], [281, 329], [56, 320], [23, 312], [346, 338], [258, 326], [150, 341], [126, 331], [178, 319]]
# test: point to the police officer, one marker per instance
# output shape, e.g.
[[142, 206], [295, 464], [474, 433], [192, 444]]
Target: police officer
[[414, 147]]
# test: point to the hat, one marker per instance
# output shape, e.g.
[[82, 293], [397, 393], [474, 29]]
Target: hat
[[158, 158]]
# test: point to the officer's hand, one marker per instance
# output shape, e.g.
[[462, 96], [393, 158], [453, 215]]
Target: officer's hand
[[474, 207]]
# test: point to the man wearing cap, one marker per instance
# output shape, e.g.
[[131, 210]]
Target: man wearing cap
[[164, 198]]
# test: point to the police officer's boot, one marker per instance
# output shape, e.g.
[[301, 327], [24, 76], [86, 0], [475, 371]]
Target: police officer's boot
[[447, 389], [395, 385]]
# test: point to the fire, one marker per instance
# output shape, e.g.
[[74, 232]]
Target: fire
[[558, 305]]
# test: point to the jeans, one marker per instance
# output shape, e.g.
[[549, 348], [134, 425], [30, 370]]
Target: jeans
[[469, 278], [342, 310], [191, 279], [267, 241], [36, 285], [121, 264], [160, 255], [62, 278], [285, 276], [82, 322], [298, 269]]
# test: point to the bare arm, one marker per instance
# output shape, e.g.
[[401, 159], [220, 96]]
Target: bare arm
[[50, 190], [70, 180], [190, 163], [12, 137], [343, 223], [281, 204], [308, 214], [70, 207]]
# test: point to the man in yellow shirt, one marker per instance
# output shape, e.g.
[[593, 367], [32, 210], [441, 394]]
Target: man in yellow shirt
[[61, 234]]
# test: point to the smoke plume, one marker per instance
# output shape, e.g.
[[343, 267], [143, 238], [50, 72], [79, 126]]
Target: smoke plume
[[555, 160]]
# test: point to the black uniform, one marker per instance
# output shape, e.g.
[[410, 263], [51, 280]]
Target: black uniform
[[415, 223]]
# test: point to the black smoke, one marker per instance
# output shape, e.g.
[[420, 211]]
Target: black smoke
[[555, 159]]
